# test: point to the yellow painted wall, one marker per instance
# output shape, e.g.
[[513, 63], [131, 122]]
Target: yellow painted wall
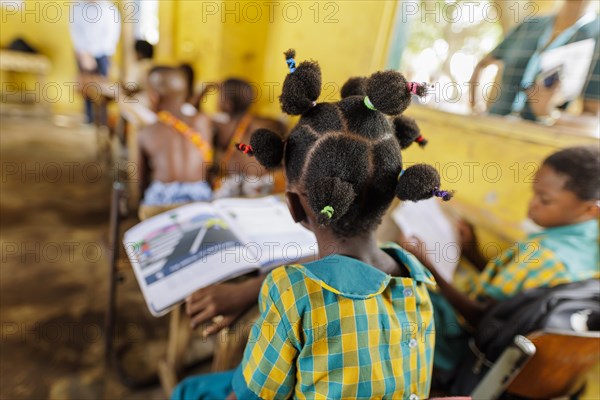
[[222, 39], [349, 39], [247, 39], [45, 26]]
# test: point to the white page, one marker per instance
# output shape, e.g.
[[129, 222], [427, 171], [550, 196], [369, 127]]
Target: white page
[[180, 251], [426, 220], [270, 229], [575, 59]]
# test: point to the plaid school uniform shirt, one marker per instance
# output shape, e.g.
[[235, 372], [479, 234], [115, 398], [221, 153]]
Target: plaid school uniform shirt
[[340, 328], [518, 47], [551, 257]]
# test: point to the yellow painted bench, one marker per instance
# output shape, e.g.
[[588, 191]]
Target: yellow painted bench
[[491, 162]]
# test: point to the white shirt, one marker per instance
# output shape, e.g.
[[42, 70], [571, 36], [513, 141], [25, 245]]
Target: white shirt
[[95, 27]]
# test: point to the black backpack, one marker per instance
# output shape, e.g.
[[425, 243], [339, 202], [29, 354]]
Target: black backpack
[[533, 310]]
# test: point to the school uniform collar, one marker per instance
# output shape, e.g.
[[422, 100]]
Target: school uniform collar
[[587, 229], [353, 278]]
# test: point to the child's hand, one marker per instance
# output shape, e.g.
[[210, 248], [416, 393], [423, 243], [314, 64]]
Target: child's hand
[[544, 100], [220, 305], [469, 244], [466, 233], [232, 396]]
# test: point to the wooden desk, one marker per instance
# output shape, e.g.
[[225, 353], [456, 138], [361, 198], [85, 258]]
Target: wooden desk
[[20, 62]]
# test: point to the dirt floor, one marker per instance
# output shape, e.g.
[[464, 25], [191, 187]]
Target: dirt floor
[[54, 208]]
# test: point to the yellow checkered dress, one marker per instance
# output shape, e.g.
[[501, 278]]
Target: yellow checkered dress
[[340, 328], [552, 257]]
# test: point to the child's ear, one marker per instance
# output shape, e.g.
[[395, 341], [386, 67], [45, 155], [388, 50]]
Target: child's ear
[[593, 209], [153, 98], [295, 207]]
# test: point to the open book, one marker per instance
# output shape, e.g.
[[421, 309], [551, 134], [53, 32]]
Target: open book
[[180, 251], [573, 61], [427, 221]]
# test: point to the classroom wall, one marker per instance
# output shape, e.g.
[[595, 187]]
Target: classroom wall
[[44, 25], [247, 39], [229, 38]]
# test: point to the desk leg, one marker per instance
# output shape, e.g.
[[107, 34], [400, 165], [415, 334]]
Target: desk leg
[[231, 342], [178, 341]]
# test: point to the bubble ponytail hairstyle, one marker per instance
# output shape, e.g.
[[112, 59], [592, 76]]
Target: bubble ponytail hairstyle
[[346, 155], [354, 87], [302, 85]]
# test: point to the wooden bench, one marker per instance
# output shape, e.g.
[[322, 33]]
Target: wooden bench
[[19, 62]]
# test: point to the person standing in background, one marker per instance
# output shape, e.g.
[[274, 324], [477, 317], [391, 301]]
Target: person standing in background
[[519, 54], [95, 27]]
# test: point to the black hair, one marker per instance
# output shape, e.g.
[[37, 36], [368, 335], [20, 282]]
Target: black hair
[[302, 87], [239, 92], [166, 89], [356, 86], [188, 70], [407, 132], [144, 49], [160, 69], [581, 166], [346, 155]]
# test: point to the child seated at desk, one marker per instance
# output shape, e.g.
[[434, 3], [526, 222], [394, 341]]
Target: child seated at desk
[[176, 150], [566, 202], [357, 323], [240, 175]]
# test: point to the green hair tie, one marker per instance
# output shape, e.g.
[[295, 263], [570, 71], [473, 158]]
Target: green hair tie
[[328, 211], [369, 105]]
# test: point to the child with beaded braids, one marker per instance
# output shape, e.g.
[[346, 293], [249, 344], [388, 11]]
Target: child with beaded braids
[[358, 322]]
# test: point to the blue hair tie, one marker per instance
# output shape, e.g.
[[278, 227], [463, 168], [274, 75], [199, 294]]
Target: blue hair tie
[[401, 173], [291, 63]]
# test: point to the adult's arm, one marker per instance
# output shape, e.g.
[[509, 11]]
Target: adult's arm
[[544, 108], [496, 56], [474, 81]]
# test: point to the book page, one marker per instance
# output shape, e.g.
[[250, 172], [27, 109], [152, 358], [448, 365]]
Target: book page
[[427, 221], [270, 230], [575, 60], [180, 251]]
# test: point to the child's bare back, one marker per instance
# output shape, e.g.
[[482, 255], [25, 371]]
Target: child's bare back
[[172, 156]]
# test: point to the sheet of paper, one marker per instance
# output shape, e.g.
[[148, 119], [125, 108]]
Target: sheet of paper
[[575, 60], [427, 221], [270, 229], [178, 252]]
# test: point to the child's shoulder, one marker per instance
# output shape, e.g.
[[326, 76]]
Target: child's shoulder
[[285, 276], [416, 269], [283, 288]]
